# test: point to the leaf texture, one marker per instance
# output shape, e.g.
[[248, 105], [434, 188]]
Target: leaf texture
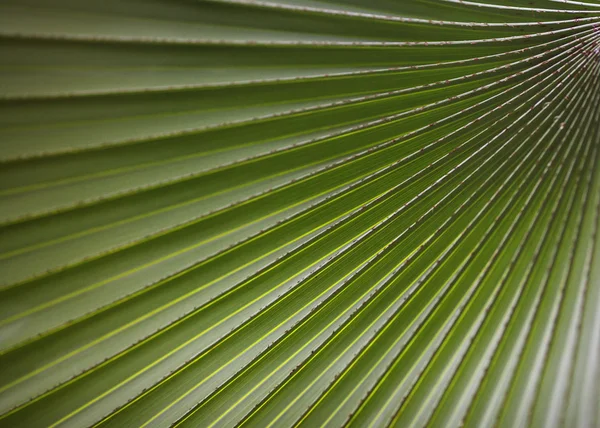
[[299, 213]]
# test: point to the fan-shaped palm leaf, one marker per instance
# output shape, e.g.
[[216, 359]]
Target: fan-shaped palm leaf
[[299, 213]]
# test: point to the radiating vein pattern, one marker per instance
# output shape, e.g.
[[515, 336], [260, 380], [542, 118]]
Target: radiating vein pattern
[[281, 213]]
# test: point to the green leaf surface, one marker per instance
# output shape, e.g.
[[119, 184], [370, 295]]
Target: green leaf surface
[[299, 213]]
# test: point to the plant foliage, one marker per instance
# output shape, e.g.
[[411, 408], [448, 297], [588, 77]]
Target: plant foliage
[[299, 213]]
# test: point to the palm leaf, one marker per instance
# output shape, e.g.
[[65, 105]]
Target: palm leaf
[[299, 213]]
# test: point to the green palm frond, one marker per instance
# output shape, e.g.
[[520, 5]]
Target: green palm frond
[[299, 213]]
